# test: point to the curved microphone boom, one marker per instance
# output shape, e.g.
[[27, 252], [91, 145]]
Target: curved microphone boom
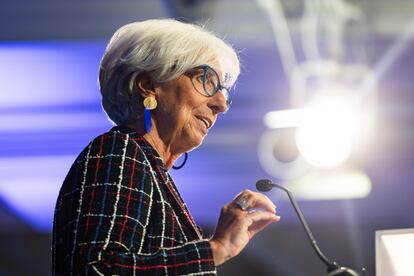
[[265, 185]]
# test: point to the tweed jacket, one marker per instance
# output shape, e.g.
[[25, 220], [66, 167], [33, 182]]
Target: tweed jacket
[[119, 213]]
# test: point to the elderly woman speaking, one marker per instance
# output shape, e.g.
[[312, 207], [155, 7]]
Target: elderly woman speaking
[[163, 84]]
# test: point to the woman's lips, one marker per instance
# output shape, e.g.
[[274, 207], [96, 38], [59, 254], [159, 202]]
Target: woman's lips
[[204, 123]]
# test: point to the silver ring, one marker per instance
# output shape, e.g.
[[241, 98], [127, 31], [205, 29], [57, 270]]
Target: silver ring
[[242, 203]]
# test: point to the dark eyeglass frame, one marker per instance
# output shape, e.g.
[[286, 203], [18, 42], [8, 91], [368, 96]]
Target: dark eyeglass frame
[[219, 86]]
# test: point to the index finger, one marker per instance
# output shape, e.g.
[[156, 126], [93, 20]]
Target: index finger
[[258, 200]]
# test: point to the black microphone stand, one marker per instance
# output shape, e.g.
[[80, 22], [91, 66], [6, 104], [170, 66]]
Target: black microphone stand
[[333, 269]]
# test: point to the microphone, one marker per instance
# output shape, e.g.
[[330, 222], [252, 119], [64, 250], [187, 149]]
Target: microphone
[[333, 269]]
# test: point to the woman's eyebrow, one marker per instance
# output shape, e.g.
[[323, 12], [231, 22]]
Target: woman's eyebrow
[[196, 71]]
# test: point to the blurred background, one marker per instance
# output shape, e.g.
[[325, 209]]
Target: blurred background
[[322, 106]]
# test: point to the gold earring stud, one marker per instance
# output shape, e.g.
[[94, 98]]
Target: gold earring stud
[[150, 103]]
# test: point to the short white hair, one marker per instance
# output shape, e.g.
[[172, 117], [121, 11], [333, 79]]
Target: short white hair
[[165, 49]]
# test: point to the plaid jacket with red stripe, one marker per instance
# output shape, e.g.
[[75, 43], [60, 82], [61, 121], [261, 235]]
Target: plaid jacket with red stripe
[[120, 213]]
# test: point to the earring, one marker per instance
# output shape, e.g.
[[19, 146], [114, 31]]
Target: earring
[[182, 165], [150, 103]]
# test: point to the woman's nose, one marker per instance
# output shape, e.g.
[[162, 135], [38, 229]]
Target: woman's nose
[[218, 102]]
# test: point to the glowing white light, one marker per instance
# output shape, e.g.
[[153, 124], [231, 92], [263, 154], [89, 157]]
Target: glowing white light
[[336, 184], [288, 118], [325, 134]]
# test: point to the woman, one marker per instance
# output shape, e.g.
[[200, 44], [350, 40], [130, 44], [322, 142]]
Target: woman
[[163, 84]]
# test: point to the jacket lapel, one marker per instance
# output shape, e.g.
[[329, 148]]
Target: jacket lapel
[[167, 181]]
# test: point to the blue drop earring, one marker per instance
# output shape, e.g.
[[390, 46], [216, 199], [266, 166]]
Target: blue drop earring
[[150, 103], [147, 118]]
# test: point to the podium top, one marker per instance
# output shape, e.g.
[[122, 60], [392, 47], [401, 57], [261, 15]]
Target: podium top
[[394, 252]]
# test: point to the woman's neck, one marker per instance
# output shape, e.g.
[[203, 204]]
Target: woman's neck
[[162, 147]]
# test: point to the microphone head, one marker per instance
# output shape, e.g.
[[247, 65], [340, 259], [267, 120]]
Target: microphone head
[[264, 185]]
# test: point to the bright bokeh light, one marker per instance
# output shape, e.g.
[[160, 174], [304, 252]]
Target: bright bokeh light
[[325, 134], [332, 184], [30, 185], [49, 73], [283, 118], [271, 164], [49, 110]]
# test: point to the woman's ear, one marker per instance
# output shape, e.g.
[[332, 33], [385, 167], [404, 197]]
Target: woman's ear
[[145, 85]]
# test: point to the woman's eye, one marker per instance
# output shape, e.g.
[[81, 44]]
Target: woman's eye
[[212, 82], [199, 78]]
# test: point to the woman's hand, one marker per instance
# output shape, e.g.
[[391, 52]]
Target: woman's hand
[[236, 227]]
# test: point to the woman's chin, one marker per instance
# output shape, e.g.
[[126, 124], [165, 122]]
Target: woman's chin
[[194, 142]]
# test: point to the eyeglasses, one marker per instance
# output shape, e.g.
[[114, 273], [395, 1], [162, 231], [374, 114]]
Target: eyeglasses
[[206, 80]]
